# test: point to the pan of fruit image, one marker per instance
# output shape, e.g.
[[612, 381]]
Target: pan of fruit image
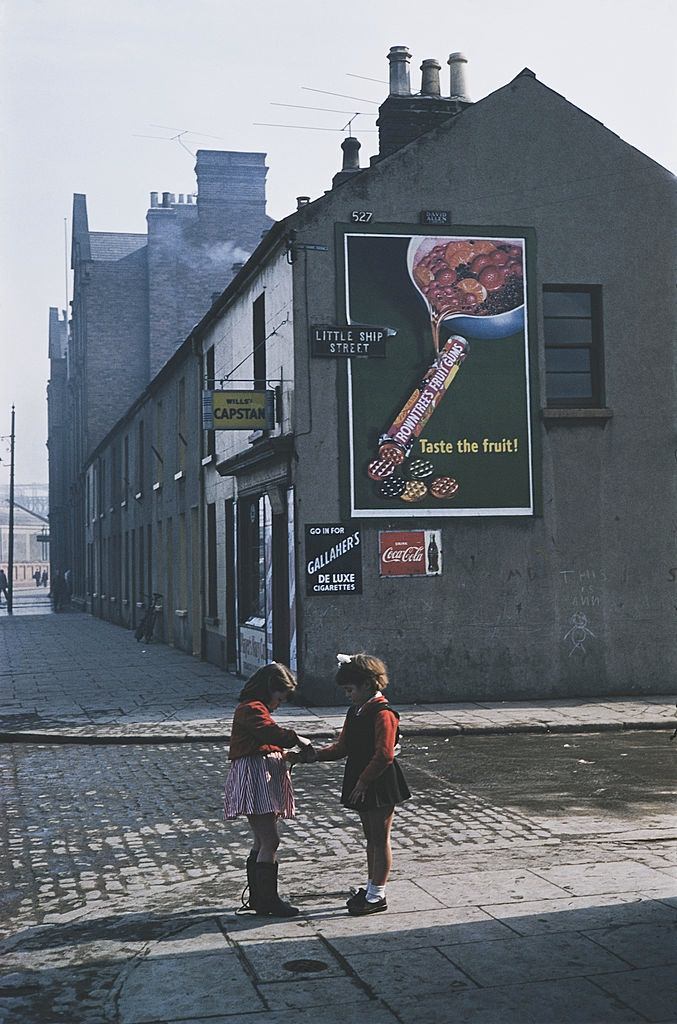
[[477, 283]]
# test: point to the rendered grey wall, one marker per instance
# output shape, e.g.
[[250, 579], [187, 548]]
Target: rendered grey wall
[[495, 625]]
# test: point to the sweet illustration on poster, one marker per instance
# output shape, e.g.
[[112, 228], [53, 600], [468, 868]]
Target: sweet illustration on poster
[[442, 426]]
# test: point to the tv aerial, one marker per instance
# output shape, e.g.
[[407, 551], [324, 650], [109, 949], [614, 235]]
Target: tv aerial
[[177, 136]]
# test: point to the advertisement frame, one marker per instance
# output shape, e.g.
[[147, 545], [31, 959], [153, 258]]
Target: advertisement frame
[[413, 514]]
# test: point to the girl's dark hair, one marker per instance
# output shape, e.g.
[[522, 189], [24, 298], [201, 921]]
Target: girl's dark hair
[[272, 678], [363, 668]]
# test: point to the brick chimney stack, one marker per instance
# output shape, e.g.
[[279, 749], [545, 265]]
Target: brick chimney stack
[[231, 194], [403, 116]]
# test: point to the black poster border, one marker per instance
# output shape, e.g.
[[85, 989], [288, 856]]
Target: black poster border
[[533, 334]]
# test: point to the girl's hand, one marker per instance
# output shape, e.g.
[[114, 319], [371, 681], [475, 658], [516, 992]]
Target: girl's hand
[[358, 793]]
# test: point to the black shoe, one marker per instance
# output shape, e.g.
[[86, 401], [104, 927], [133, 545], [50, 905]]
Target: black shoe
[[368, 907], [357, 899]]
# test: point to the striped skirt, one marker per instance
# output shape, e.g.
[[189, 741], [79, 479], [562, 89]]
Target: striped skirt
[[260, 784]]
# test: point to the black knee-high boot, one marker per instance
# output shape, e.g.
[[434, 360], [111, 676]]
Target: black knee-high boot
[[268, 903], [249, 894]]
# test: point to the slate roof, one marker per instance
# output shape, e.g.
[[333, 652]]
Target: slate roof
[[114, 245]]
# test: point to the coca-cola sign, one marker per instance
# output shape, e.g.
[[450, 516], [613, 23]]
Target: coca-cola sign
[[410, 552]]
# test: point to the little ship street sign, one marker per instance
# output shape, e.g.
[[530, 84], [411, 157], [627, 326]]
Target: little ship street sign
[[337, 341]]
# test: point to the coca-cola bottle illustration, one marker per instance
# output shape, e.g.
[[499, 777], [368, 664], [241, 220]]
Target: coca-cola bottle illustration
[[433, 555]]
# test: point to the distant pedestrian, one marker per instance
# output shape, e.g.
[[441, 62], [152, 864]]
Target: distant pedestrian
[[45, 577], [58, 591], [259, 782], [68, 580], [373, 781], [4, 586], [37, 576]]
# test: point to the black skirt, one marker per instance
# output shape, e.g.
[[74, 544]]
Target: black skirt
[[388, 789]]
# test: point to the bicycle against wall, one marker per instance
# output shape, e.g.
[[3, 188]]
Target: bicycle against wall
[[146, 628]]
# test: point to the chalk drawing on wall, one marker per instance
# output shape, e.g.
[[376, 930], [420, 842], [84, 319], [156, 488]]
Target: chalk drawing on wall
[[579, 632]]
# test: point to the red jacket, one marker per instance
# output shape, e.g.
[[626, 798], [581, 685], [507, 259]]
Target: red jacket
[[255, 731], [385, 732]]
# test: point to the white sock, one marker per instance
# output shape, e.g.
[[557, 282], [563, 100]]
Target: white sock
[[375, 892]]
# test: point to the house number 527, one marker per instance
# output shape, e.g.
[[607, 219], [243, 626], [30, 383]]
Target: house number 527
[[361, 216]]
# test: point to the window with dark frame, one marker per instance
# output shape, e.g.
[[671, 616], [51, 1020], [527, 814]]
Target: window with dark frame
[[140, 453], [181, 442], [251, 560], [259, 341], [210, 385], [212, 564], [572, 330], [125, 470]]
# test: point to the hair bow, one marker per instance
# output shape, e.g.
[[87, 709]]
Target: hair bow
[[344, 659]]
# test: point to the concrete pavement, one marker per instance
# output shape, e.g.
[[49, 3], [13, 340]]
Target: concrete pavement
[[72, 677]]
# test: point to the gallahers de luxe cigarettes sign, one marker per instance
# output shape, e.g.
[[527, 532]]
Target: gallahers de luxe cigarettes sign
[[333, 559], [238, 410]]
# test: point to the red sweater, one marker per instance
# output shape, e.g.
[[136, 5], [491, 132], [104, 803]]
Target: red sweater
[[385, 732], [254, 731]]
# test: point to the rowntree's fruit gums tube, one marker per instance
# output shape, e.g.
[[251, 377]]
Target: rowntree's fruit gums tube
[[396, 443]]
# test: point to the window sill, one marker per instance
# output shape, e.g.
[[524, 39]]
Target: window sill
[[180, 475], [123, 504], [208, 459], [157, 485], [575, 417], [254, 622], [138, 496], [181, 613]]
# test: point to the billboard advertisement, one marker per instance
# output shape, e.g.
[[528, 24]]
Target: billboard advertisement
[[443, 425]]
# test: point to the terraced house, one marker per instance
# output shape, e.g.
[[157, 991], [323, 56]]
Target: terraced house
[[451, 381]]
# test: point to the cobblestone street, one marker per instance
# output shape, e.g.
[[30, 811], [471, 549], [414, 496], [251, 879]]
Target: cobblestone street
[[109, 823]]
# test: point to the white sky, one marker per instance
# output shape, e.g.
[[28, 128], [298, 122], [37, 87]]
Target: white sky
[[82, 78]]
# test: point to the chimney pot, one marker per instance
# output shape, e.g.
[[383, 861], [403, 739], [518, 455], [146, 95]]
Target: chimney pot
[[430, 78], [189, 199], [302, 201], [458, 89], [351, 153], [166, 199], [399, 58], [153, 199], [351, 160], [181, 197]]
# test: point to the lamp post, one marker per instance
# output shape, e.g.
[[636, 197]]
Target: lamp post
[[10, 546]]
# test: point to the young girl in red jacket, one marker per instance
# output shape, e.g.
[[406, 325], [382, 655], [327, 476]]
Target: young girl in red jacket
[[373, 781], [259, 783]]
